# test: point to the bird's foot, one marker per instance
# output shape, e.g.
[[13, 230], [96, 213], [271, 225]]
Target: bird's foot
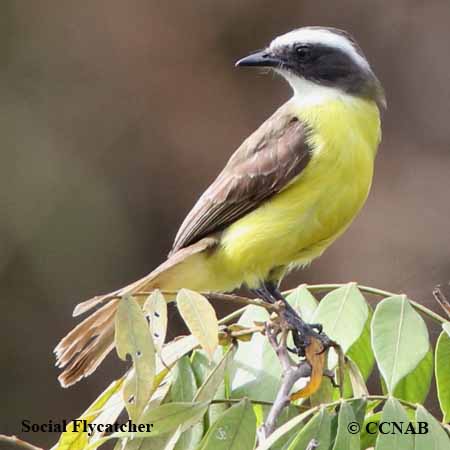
[[302, 333]]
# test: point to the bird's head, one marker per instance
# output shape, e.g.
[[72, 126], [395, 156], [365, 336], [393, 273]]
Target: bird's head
[[319, 58]]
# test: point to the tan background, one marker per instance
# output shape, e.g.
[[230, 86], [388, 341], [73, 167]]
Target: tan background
[[115, 115]]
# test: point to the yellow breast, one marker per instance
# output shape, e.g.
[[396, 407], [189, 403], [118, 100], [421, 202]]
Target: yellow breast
[[297, 224]]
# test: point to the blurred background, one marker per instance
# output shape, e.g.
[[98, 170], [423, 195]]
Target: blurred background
[[114, 116]]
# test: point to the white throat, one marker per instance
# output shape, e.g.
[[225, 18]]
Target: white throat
[[308, 93]]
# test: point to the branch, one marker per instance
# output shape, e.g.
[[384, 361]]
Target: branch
[[16, 442], [379, 292], [216, 296], [234, 315], [292, 372], [228, 335], [441, 298], [245, 332], [313, 288]]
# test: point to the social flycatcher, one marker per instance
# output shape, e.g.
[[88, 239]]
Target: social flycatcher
[[285, 195]]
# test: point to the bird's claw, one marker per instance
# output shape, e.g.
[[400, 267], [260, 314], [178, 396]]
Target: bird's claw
[[302, 338]]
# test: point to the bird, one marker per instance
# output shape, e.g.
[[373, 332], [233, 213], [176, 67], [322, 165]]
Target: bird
[[284, 196]]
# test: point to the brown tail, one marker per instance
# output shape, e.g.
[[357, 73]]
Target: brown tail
[[86, 346]]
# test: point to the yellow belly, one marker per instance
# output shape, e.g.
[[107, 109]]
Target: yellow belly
[[300, 222]]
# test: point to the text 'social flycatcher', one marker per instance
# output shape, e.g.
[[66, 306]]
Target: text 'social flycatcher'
[[289, 191]]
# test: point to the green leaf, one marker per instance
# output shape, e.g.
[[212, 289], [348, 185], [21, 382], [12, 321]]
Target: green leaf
[[133, 338], [77, 440], [217, 409], [200, 317], [359, 387], [156, 309], [256, 370], [176, 349], [361, 351], [287, 414], [372, 405], [436, 438], [446, 327], [345, 439], [169, 417], [358, 406], [324, 394], [214, 379], [347, 391], [235, 429], [223, 391], [259, 414], [184, 386], [183, 389], [110, 412], [201, 365], [369, 433], [319, 428], [172, 442], [303, 301], [393, 411], [399, 339], [155, 443], [339, 308], [443, 374], [415, 386], [164, 419], [280, 432]]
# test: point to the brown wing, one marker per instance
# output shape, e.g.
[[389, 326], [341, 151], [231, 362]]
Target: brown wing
[[265, 163]]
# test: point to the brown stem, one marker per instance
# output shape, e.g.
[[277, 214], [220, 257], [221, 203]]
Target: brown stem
[[292, 372], [16, 442], [215, 296], [441, 298], [246, 332]]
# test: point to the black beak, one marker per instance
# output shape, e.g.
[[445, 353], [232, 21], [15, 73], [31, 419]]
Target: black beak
[[263, 58]]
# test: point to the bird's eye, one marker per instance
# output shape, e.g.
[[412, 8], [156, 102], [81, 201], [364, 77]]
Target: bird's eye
[[303, 52]]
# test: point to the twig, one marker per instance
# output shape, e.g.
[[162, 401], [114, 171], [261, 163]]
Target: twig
[[216, 296], [246, 332], [234, 315], [313, 288], [379, 292], [441, 298], [227, 335], [19, 443], [292, 372]]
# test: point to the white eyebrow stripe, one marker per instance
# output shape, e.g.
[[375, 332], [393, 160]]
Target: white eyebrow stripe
[[320, 36]]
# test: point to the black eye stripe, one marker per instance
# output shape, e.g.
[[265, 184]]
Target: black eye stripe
[[302, 48], [303, 52]]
